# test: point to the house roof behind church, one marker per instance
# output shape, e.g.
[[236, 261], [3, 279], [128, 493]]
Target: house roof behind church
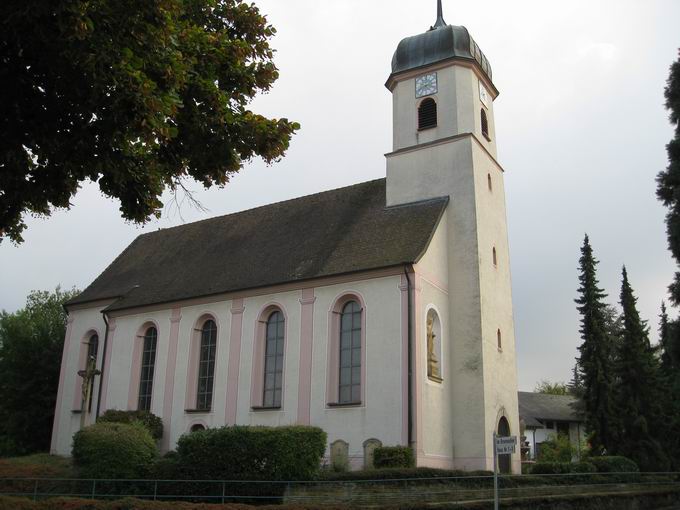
[[336, 232], [540, 406]]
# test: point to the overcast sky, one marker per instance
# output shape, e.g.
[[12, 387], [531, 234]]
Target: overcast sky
[[580, 126]]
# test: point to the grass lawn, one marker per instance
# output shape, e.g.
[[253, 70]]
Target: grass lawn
[[40, 465]]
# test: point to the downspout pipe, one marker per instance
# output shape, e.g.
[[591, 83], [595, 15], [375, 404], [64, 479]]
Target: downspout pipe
[[410, 354], [101, 375]]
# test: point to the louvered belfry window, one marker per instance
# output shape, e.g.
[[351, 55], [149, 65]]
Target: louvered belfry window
[[427, 114], [485, 124]]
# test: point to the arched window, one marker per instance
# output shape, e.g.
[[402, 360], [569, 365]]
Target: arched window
[[273, 361], [495, 257], [485, 125], [196, 428], [434, 347], [206, 366], [427, 114], [499, 339], [147, 370], [350, 354], [92, 350]]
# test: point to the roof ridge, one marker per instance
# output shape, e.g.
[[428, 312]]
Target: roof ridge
[[281, 202]]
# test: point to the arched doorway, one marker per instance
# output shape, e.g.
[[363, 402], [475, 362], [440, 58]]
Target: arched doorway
[[504, 461]]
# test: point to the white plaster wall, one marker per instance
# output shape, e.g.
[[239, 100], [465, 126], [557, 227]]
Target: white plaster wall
[[458, 109], [380, 415], [500, 365], [290, 302], [433, 293], [120, 372], [181, 421], [84, 321]]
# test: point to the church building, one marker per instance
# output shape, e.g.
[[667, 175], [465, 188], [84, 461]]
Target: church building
[[380, 312]]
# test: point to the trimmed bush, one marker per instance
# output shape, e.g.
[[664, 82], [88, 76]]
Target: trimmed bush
[[562, 468], [614, 465], [393, 457], [401, 473], [252, 453], [152, 422], [113, 451]]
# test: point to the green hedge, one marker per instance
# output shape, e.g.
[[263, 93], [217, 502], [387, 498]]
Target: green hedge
[[401, 473], [393, 457], [152, 422], [560, 468], [113, 451], [614, 465], [252, 453]]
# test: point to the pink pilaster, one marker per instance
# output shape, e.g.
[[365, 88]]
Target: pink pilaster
[[404, 287], [107, 368], [169, 391], [306, 346], [237, 309], [60, 391]]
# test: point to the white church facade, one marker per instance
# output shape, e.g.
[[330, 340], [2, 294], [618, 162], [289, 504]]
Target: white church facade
[[380, 312]]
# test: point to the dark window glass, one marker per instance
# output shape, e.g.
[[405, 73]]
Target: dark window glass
[[206, 366], [273, 360], [350, 354], [499, 339], [92, 349], [148, 365], [427, 114], [485, 124], [197, 428]]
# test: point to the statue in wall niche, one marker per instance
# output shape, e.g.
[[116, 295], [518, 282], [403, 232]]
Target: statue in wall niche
[[88, 376], [433, 371]]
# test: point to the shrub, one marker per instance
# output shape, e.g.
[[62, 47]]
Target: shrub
[[393, 457], [561, 468], [557, 448], [114, 451], [152, 422], [401, 473], [614, 465], [252, 453]]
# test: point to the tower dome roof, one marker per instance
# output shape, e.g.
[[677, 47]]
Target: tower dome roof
[[441, 42]]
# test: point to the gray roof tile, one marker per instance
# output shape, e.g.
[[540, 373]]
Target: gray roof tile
[[336, 232]]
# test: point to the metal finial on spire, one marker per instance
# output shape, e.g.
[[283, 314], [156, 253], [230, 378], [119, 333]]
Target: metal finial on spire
[[440, 16]]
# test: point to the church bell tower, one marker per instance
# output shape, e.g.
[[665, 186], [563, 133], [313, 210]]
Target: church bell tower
[[444, 144]]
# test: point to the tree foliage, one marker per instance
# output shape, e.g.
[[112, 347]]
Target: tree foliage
[[668, 181], [31, 344], [595, 360], [551, 388], [637, 391], [132, 94]]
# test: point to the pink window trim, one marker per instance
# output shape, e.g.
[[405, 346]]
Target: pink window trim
[[194, 352], [333, 369], [136, 370], [82, 360], [107, 368], [257, 375]]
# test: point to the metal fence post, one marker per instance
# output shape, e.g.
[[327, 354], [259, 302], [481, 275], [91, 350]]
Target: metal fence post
[[94, 488], [155, 489], [35, 491], [224, 490]]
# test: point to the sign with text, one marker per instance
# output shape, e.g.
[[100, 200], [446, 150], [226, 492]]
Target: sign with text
[[506, 445]]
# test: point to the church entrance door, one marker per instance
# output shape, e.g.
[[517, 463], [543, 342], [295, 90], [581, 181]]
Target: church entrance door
[[504, 461]]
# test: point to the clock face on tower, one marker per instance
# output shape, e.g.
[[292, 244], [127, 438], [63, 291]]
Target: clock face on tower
[[426, 85]]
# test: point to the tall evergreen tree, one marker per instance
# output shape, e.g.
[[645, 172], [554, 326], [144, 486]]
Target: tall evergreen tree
[[595, 360], [668, 190], [637, 392], [664, 339]]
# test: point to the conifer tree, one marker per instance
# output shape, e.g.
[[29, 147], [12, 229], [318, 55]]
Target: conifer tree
[[637, 392], [595, 360], [664, 339]]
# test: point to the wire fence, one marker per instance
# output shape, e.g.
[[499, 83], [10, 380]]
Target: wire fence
[[369, 491]]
